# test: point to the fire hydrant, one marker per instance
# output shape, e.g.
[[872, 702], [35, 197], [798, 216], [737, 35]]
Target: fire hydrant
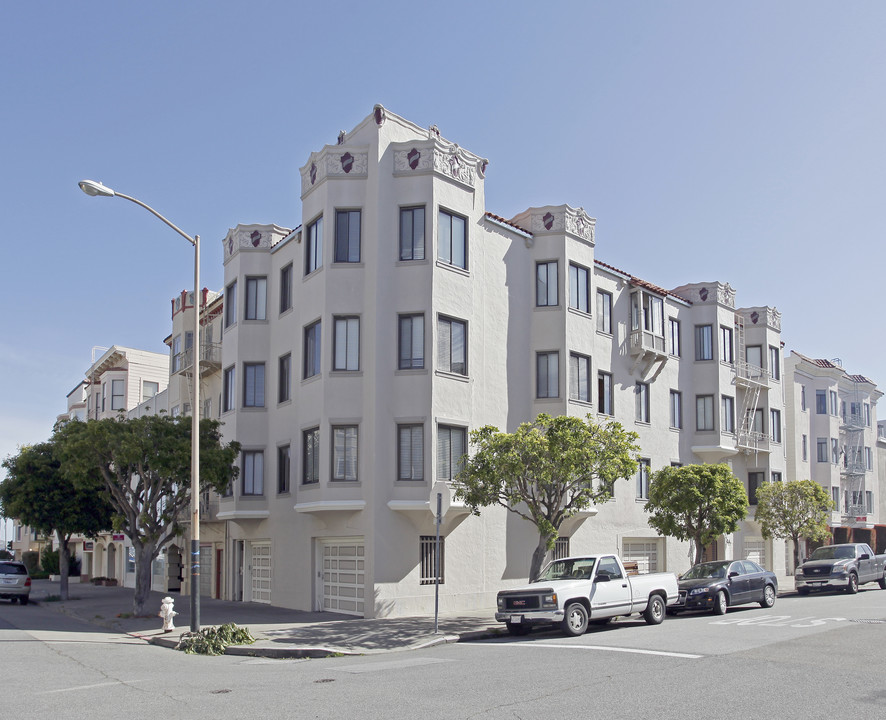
[[167, 613]]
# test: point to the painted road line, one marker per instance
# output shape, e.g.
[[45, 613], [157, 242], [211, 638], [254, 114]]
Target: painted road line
[[604, 648]]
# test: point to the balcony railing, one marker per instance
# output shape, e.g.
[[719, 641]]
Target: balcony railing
[[747, 374], [643, 341], [210, 358]]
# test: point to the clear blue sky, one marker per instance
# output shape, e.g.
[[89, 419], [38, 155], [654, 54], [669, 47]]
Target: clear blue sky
[[742, 142]]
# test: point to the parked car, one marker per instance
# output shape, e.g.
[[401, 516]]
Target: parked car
[[840, 567], [574, 591], [721, 584], [15, 582]]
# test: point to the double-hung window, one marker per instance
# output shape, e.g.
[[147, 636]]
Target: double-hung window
[[256, 299], [835, 451], [726, 355], [676, 409], [314, 246], [546, 283], [347, 236], [411, 452], [118, 399], [755, 480], [728, 421], [451, 448], [231, 304], [452, 239], [704, 412], [579, 377], [578, 288], [604, 312], [704, 348], [604, 394], [286, 288], [643, 468], [774, 363], [821, 402], [674, 337], [312, 350], [346, 344], [229, 389], [283, 469], [412, 233], [775, 425], [284, 379], [452, 345], [868, 459], [253, 472], [176, 353], [821, 450], [253, 384], [547, 374], [641, 402], [344, 452], [311, 456], [411, 342], [832, 396]]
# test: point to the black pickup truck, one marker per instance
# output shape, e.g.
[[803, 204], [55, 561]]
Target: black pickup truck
[[840, 567]]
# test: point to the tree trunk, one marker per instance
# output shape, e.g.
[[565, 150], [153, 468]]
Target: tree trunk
[[144, 557], [538, 557], [699, 550], [796, 552], [63, 565]]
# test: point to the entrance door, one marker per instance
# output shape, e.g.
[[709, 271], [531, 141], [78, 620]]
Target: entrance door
[[342, 576], [260, 572], [219, 557], [237, 561]]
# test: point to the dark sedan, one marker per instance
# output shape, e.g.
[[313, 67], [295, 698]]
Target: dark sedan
[[721, 584]]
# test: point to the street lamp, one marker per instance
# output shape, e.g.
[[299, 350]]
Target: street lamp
[[96, 189]]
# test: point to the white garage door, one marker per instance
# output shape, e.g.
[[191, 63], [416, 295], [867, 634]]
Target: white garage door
[[645, 554], [343, 577], [260, 570]]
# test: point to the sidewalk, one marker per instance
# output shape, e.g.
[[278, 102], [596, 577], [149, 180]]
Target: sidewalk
[[279, 632]]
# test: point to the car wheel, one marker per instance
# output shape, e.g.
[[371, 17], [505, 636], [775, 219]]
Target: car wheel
[[768, 597], [23, 600], [852, 585], [576, 621], [721, 603], [517, 629], [882, 583], [655, 610]]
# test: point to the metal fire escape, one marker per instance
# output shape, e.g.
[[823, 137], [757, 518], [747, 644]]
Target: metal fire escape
[[854, 466], [753, 379]]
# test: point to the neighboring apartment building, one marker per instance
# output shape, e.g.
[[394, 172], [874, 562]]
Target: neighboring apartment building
[[359, 350], [835, 441]]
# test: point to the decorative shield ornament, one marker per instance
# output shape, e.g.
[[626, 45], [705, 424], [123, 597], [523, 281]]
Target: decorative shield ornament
[[703, 293], [413, 157], [548, 221], [313, 173], [347, 162], [255, 236], [755, 316], [230, 246]]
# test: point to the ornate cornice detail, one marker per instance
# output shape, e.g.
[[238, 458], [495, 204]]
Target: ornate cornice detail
[[333, 161], [562, 219], [251, 237], [441, 157]]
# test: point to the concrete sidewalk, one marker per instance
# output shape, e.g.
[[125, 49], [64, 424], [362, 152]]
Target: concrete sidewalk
[[279, 632]]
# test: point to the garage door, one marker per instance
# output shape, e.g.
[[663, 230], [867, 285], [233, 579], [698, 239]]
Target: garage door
[[755, 549], [343, 577], [260, 570], [645, 554]]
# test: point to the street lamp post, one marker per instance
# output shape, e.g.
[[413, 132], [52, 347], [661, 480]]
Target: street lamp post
[[96, 189]]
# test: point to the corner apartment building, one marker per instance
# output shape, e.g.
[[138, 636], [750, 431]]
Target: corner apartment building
[[360, 349], [834, 441]]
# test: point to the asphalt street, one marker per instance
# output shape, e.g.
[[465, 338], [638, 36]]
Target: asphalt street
[[804, 658]]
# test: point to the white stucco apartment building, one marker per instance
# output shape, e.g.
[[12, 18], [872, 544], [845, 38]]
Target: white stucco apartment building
[[360, 349], [834, 440]]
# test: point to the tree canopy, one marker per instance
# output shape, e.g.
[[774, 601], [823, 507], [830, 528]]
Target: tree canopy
[[547, 471], [795, 509], [696, 503], [39, 495], [145, 467]]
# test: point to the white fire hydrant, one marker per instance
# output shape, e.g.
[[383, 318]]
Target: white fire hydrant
[[167, 613]]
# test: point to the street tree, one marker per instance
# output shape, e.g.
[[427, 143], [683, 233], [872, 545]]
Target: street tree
[[795, 509], [145, 467], [41, 496], [546, 471], [697, 503]]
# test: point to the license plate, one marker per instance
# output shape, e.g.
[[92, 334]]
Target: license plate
[[516, 619], [9, 581]]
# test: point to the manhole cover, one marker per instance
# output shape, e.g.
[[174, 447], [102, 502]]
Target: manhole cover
[[869, 622]]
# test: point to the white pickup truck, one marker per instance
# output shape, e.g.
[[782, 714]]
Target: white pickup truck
[[575, 591]]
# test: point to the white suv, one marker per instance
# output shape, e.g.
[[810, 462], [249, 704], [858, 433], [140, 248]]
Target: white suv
[[15, 583]]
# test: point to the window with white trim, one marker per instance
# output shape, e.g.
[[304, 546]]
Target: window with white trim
[[452, 345], [604, 312], [411, 342], [547, 375], [452, 239], [347, 236], [578, 288], [253, 384], [346, 343], [344, 453], [256, 307], [451, 448], [412, 233], [411, 451], [579, 377], [253, 472], [704, 412], [314, 246], [546, 293]]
